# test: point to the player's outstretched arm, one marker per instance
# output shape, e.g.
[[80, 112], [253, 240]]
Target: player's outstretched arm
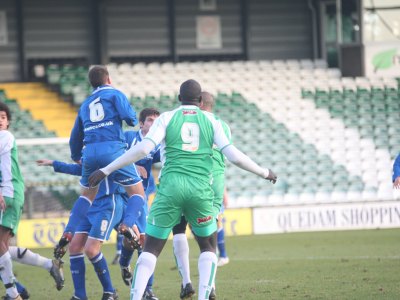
[[44, 162], [131, 156], [61, 167], [244, 162]]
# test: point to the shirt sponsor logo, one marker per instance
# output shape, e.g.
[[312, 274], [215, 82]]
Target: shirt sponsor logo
[[189, 112], [105, 124], [204, 220]]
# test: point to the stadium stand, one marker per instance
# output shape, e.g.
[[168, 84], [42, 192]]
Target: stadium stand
[[70, 80], [43, 105], [330, 138], [35, 142], [24, 126], [302, 119]]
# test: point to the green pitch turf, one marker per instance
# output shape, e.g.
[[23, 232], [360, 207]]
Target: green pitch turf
[[326, 265]]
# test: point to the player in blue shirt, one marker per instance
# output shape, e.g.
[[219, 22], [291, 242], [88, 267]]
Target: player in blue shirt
[[396, 173], [95, 228], [98, 138], [146, 119]]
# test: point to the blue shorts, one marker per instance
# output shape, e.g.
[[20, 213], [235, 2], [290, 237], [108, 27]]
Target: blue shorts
[[99, 155], [102, 217]]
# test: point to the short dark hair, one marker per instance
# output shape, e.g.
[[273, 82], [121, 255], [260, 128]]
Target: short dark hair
[[208, 100], [190, 91], [98, 75], [4, 107], [146, 112]]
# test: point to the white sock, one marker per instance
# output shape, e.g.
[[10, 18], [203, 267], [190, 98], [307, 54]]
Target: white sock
[[181, 252], [27, 257], [7, 275], [145, 266], [207, 270]]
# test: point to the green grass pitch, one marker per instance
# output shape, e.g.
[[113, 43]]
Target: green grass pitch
[[318, 265]]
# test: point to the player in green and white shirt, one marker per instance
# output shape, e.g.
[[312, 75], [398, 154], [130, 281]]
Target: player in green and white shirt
[[11, 199], [180, 242], [187, 136]]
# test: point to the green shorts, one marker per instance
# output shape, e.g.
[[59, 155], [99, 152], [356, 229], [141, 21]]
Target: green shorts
[[218, 187], [10, 218], [181, 194]]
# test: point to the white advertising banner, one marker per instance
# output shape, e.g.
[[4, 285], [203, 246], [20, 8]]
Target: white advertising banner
[[208, 31], [3, 28], [382, 59], [326, 217]]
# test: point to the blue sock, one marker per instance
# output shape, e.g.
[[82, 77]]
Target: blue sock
[[125, 258], [133, 209], [20, 287], [101, 269], [120, 237], [150, 282], [78, 212], [78, 274], [142, 219], [151, 279], [221, 242]]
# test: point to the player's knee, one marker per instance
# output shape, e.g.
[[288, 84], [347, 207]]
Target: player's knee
[[75, 248], [207, 244], [135, 189], [92, 248], [154, 245], [89, 193], [91, 252], [4, 245]]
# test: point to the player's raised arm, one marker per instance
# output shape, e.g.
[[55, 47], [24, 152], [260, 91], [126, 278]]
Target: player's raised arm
[[237, 157], [61, 167]]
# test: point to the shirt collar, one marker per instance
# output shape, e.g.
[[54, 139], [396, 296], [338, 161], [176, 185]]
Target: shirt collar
[[102, 87]]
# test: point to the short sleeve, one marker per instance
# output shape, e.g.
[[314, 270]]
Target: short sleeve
[[158, 130]]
